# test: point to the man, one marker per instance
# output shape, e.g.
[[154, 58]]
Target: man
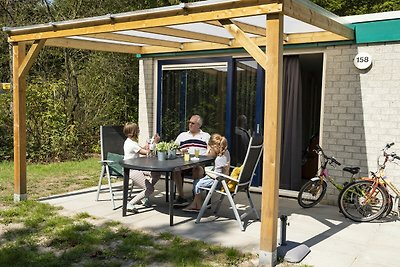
[[188, 142]]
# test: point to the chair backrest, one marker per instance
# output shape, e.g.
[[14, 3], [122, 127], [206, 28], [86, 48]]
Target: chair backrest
[[241, 141], [112, 140], [251, 160]]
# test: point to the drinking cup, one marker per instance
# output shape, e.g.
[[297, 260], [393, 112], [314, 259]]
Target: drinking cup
[[186, 157]]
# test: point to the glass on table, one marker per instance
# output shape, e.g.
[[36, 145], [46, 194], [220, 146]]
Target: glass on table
[[197, 153], [186, 156]]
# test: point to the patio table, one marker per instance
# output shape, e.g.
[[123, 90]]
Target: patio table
[[167, 166]]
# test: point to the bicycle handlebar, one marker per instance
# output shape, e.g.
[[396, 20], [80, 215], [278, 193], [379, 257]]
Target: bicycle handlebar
[[329, 160], [335, 161], [389, 145]]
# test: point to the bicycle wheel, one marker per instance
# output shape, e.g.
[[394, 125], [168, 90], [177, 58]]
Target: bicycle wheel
[[361, 202], [311, 193]]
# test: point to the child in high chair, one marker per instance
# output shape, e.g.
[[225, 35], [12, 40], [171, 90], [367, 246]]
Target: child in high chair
[[218, 148], [145, 180]]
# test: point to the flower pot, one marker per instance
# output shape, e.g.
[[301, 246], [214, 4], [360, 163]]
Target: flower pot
[[171, 154], [162, 155]]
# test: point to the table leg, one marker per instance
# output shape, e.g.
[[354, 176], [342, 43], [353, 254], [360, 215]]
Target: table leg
[[171, 199], [166, 187], [125, 191]]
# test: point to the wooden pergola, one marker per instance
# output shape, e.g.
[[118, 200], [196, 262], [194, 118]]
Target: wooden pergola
[[157, 31]]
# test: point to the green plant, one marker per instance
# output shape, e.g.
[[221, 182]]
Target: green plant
[[162, 146], [172, 145]]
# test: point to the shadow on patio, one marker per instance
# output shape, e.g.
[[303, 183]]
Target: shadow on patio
[[333, 240]]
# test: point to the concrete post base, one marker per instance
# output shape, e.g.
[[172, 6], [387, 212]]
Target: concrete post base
[[268, 259], [20, 197]]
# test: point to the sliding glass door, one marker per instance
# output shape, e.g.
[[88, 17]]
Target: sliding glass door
[[195, 88]]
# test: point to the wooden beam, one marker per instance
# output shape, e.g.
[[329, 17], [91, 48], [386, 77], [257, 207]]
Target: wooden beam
[[150, 23], [19, 110], [182, 9], [272, 140], [134, 39], [30, 57], [200, 46], [188, 35], [313, 14], [248, 28], [247, 43], [312, 37], [92, 45]]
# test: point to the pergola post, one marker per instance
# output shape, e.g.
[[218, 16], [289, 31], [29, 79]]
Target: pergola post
[[272, 140], [19, 108]]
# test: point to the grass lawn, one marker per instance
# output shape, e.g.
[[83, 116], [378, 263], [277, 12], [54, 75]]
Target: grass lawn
[[35, 234]]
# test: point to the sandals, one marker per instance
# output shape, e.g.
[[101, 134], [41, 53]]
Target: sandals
[[187, 209]]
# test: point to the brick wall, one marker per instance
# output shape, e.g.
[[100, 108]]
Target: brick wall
[[361, 111], [147, 99]]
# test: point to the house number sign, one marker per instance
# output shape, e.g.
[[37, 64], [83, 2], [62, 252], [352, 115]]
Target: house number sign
[[362, 60]]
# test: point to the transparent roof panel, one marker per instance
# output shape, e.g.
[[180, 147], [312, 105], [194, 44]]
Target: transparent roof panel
[[155, 36], [103, 40]]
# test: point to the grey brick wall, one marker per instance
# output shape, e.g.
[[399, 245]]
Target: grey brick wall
[[361, 108]]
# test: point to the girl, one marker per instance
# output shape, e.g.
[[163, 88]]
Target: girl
[[145, 180], [218, 148]]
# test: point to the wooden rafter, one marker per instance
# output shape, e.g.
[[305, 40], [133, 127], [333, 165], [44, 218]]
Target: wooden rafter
[[200, 46], [92, 45], [30, 57], [246, 27], [134, 39], [315, 15], [151, 23], [247, 43], [188, 35], [312, 37]]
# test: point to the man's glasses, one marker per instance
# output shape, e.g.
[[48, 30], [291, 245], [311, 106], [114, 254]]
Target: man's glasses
[[191, 122]]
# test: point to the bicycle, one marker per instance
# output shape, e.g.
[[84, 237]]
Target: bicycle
[[313, 191], [370, 198]]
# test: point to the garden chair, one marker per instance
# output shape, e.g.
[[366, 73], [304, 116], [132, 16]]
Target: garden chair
[[112, 141], [241, 184]]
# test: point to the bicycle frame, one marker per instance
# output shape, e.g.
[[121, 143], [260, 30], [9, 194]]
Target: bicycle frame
[[324, 173], [380, 178]]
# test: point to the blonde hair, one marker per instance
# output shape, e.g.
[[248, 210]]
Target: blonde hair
[[131, 130], [218, 143]]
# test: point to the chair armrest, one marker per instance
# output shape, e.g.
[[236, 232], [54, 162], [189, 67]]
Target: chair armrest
[[219, 176], [104, 162]]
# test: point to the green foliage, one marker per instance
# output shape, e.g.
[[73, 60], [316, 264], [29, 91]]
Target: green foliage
[[357, 7], [162, 146], [72, 92], [6, 127], [172, 145]]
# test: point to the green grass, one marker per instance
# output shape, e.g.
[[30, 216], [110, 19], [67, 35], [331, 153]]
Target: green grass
[[35, 234]]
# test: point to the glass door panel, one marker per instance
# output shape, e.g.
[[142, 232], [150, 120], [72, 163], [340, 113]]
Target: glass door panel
[[243, 108], [193, 90]]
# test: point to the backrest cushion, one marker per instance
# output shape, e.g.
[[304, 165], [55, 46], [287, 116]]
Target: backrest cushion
[[115, 168]]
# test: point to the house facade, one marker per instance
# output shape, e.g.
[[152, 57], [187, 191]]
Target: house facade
[[352, 109]]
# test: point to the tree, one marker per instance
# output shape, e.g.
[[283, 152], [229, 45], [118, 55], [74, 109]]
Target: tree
[[357, 7]]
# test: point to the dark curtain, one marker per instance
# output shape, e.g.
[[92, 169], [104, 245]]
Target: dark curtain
[[291, 154]]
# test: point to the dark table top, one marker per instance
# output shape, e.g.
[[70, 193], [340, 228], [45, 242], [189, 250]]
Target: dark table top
[[153, 164]]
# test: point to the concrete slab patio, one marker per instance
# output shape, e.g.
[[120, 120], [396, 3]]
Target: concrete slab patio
[[333, 239]]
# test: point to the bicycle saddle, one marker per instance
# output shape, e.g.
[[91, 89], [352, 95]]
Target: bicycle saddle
[[352, 170]]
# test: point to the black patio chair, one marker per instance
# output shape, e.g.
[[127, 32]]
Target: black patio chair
[[112, 141], [243, 183]]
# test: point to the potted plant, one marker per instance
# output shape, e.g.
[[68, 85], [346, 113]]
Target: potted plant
[[162, 148], [172, 147]]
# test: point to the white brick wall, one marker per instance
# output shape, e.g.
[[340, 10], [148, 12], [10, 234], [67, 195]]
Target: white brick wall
[[147, 99], [361, 108]]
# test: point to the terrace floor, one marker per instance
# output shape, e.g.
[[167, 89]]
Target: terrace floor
[[333, 240]]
